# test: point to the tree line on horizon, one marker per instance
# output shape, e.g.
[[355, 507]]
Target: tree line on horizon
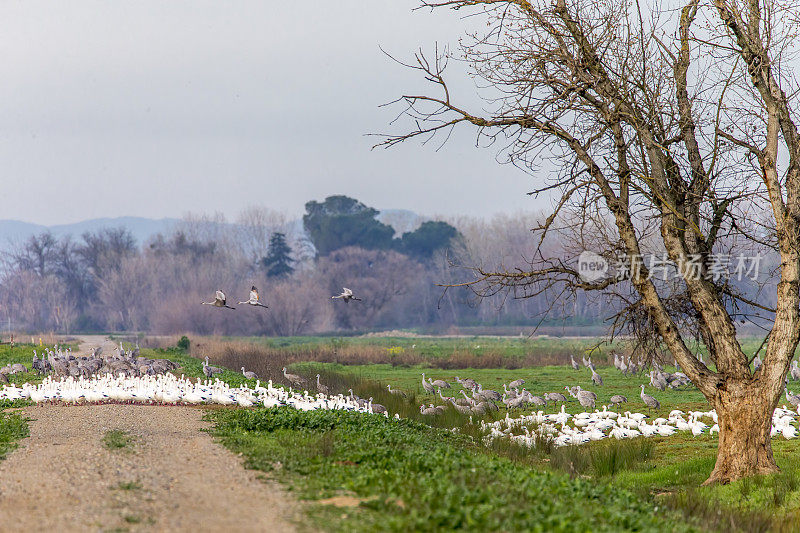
[[105, 281]]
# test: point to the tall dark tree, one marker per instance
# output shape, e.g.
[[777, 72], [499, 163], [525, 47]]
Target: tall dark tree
[[427, 239], [342, 221], [278, 262]]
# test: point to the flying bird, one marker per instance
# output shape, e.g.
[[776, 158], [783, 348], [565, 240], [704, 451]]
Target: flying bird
[[254, 299], [346, 295], [219, 301]]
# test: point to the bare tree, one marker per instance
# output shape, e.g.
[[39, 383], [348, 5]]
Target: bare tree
[[255, 226], [670, 129]]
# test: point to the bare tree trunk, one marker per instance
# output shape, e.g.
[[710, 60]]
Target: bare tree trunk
[[621, 105], [745, 421]]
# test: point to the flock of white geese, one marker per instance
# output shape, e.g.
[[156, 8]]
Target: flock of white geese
[[564, 429], [172, 390], [561, 428]]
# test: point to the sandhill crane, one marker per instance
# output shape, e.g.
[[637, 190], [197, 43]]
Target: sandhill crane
[[596, 379], [463, 409], [249, 375], [467, 383], [793, 399], [538, 401], [376, 407], [442, 384], [657, 380], [219, 300], [209, 371], [618, 400], [489, 394], [443, 397], [756, 363], [574, 363], [517, 383], [467, 399], [514, 403], [346, 295], [427, 386], [395, 391], [320, 387], [555, 397], [586, 398], [254, 300], [479, 408], [293, 378], [649, 401], [795, 372], [428, 411]]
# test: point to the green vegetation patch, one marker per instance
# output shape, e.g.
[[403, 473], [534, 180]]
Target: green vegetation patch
[[13, 427], [118, 439], [128, 485], [404, 476]]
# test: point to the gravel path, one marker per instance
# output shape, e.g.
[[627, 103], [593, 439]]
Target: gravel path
[[175, 478], [87, 343]]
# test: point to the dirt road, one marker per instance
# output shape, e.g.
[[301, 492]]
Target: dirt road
[[87, 343], [175, 478]]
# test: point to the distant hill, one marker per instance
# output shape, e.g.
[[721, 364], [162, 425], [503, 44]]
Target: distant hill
[[13, 232]]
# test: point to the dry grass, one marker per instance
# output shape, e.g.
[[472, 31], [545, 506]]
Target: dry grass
[[47, 339], [265, 360]]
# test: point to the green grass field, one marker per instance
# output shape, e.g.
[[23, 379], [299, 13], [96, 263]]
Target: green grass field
[[406, 476], [382, 462]]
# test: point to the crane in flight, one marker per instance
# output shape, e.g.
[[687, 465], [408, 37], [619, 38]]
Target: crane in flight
[[254, 299], [346, 295], [219, 300]]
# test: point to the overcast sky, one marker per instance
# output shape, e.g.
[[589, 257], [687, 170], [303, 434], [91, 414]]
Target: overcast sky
[[159, 108]]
